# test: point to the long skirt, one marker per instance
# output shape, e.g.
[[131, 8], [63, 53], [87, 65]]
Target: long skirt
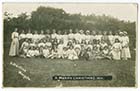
[[116, 55], [14, 48], [126, 53]]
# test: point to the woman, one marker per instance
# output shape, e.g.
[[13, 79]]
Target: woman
[[14, 49], [125, 47]]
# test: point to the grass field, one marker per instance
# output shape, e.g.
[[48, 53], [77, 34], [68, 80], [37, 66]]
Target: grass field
[[41, 71]]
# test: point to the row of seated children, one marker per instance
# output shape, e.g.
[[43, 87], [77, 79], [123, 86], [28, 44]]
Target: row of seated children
[[72, 51]]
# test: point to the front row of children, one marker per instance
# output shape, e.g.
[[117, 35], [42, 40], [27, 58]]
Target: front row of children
[[72, 50]]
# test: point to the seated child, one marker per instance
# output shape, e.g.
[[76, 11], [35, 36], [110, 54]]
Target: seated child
[[64, 55], [24, 48], [72, 55], [36, 51], [103, 44], [77, 47], [54, 53], [46, 51], [88, 54], [30, 52], [105, 53]]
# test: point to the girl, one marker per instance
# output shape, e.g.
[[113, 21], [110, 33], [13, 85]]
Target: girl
[[29, 35], [64, 55], [41, 35], [47, 35], [88, 36], [77, 47], [72, 55], [111, 38], [59, 36], [54, 54], [14, 48], [70, 35], [116, 50], [88, 54], [82, 36], [30, 52], [77, 35], [105, 53], [90, 45], [54, 34], [60, 49], [103, 44], [35, 36], [65, 38], [24, 48], [46, 51], [99, 36], [105, 37]]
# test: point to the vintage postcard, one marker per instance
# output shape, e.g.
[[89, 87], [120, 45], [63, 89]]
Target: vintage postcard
[[69, 44]]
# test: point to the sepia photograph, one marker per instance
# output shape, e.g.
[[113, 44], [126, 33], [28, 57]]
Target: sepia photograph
[[69, 44]]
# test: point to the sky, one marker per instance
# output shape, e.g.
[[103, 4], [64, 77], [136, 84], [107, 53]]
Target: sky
[[127, 12]]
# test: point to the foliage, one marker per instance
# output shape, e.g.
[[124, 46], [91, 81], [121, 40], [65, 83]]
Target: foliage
[[51, 18]]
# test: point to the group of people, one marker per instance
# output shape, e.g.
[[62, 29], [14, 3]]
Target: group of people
[[72, 44]]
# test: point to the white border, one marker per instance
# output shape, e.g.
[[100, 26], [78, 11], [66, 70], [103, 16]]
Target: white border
[[77, 88]]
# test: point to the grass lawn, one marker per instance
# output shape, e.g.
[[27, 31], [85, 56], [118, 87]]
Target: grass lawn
[[42, 70]]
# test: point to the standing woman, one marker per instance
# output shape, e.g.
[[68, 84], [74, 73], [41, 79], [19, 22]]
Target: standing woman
[[14, 49]]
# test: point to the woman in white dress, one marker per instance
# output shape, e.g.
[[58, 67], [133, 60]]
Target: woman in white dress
[[125, 47], [14, 49], [116, 50]]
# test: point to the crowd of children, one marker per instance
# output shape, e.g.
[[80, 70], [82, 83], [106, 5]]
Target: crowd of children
[[86, 45]]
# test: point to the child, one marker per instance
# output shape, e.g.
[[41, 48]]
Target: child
[[116, 50], [41, 35], [30, 52], [36, 52], [72, 55], [54, 34], [70, 35], [24, 48], [88, 54], [29, 35], [35, 37], [64, 55], [103, 44], [111, 38], [105, 53], [59, 36], [65, 38], [46, 51], [90, 45], [88, 36], [77, 47], [54, 54], [60, 49]]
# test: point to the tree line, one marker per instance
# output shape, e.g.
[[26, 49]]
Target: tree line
[[44, 18]]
